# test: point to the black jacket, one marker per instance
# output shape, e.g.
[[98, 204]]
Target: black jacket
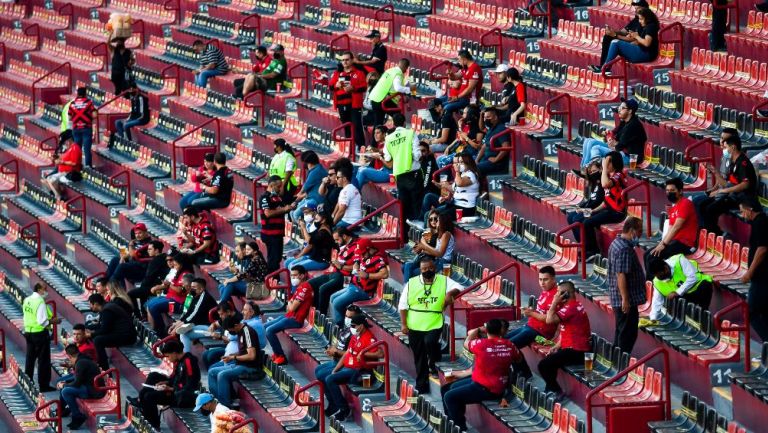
[[156, 271], [197, 313], [630, 137], [114, 320], [185, 381], [85, 371], [139, 108]]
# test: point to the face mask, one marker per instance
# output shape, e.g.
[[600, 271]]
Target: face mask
[[672, 197], [205, 412], [295, 281], [635, 240], [308, 218], [488, 124], [347, 322], [45, 295], [594, 177], [428, 275], [462, 168], [726, 154], [354, 330]]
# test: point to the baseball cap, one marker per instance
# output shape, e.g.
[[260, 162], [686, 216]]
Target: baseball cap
[[641, 3], [276, 47], [502, 68], [140, 227], [374, 34], [310, 204], [364, 244], [202, 400]]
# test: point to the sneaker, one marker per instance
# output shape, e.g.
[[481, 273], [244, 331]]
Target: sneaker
[[596, 69], [280, 360], [134, 401], [330, 411], [77, 422], [183, 329], [342, 415]]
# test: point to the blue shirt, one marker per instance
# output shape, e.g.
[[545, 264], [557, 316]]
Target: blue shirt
[[312, 184], [498, 143]]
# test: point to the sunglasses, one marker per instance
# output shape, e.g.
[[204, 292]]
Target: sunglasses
[[433, 218]]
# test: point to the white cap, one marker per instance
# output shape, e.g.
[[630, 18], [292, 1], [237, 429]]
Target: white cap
[[502, 68]]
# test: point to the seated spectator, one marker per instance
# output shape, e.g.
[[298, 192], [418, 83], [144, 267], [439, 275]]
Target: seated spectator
[[622, 34], [438, 242], [316, 255], [447, 127], [642, 45], [296, 312], [490, 374], [569, 314], [175, 289], [202, 178], [84, 345], [283, 164], [349, 208], [81, 386], [683, 230], [139, 112], [740, 184], [207, 405], [375, 174], [252, 269], [678, 276], [469, 137], [177, 390], [309, 190], [129, 265], [512, 104], [594, 194], [212, 62], [370, 267], [193, 323], [248, 360], [244, 86], [114, 329], [329, 188], [325, 285], [275, 73], [68, 169], [203, 245], [219, 193], [461, 194], [342, 343], [101, 287], [537, 324], [614, 206], [428, 164], [628, 138], [350, 368], [251, 316], [471, 75], [157, 269], [725, 164], [493, 161], [116, 293]]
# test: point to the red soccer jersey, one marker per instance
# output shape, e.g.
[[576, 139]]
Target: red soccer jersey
[[304, 295], [355, 78], [493, 357], [177, 297], [72, 155], [472, 72], [690, 230], [259, 66], [88, 349], [542, 305], [574, 327], [370, 265], [81, 113], [356, 344], [614, 196], [348, 255], [203, 231]]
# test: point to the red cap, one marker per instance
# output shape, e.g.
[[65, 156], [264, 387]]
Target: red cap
[[140, 227], [364, 244]]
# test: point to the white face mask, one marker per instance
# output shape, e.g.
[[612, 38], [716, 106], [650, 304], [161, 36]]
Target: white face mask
[[354, 330], [308, 218], [462, 168], [295, 281], [347, 322]]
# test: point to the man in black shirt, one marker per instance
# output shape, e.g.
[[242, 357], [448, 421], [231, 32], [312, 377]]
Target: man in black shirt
[[122, 63], [115, 328], [139, 112], [249, 360], [752, 211], [329, 188], [157, 269], [621, 34], [378, 54], [81, 386], [218, 194], [193, 323], [627, 138], [447, 127], [273, 222]]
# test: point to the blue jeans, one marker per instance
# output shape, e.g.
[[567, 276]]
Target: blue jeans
[[631, 53], [457, 395], [309, 264], [486, 167], [220, 378], [66, 378], [593, 148], [70, 394], [452, 107], [324, 370], [84, 137], [188, 198], [131, 270], [438, 148], [202, 78], [278, 325], [156, 307], [343, 298], [368, 174], [298, 213], [522, 337], [332, 384], [212, 356], [196, 333], [124, 126], [208, 203], [325, 286], [227, 290]]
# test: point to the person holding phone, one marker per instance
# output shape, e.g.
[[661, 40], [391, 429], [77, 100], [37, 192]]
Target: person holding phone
[[622, 34]]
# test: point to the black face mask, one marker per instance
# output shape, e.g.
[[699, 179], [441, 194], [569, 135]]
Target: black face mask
[[428, 275], [672, 197], [205, 412], [594, 177], [488, 124]]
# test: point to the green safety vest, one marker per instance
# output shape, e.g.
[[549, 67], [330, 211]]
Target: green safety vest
[[665, 287], [399, 144], [29, 307], [65, 117], [279, 162], [384, 86], [425, 313]]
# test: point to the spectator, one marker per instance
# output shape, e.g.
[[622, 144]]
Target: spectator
[[719, 25], [250, 83], [611, 34], [201, 179], [234, 285], [490, 374], [273, 222], [157, 269], [37, 318], [594, 195], [342, 343], [537, 318], [627, 138], [752, 211], [469, 137], [116, 293], [740, 184], [725, 164], [378, 58], [130, 264], [122, 62], [275, 73], [350, 368], [391, 83], [69, 166], [329, 188], [193, 323], [329, 283], [283, 165], [421, 306], [447, 127], [318, 236], [642, 46], [203, 245], [175, 294], [310, 188], [626, 284], [437, 243], [212, 62], [139, 112], [569, 314], [492, 161], [678, 276], [248, 360], [349, 208], [401, 150], [461, 194], [177, 390], [471, 84], [428, 168], [297, 310], [219, 193], [370, 268], [207, 405], [349, 84], [81, 386], [371, 174], [100, 287], [614, 206], [371, 79], [251, 316], [84, 345], [512, 104], [81, 112], [114, 329], [683, 225]]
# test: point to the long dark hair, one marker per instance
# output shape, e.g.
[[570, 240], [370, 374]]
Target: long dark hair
[[648, 15], [470, 163]]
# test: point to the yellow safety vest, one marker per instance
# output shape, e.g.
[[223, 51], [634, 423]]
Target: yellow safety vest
[[30, 307], [65, 117], [399, 144], [384, 86], [279, 163], [665, 287], [425, 310]]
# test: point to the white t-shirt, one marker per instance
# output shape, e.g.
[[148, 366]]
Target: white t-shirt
[[466, 196], [350, 197]]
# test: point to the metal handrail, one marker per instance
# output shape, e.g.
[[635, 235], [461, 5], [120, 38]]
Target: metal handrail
[[3, 352], [175, 146], [580, 244], [54, 138], [105, 63], [384, 363], [756, 115], [440, 171], [679, 39], [56, 419], [275, 275], [320, 402], [453, 307], [15, 173], [307, 77], [177, 9], [37, 34], [332, 44], [36, 237], [391, 20], [4, 55], [54, 326], [499, 44], [69, 13], [694, 159], [567, 112], [117, 97], [666, 401], [257, 27], [116, 387], [745, 328], [177, 84], [394, 201], [123, 184], [623, 76], [435, 77], [535, 13], [46, 75], [400, 103], [244, 423], [646, 204], [155, 349], [142, 33], [512, 148], [83, 214], [351, 139], [260, 106], [88, 283]]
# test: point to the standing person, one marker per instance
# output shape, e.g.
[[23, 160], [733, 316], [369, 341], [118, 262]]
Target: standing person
[[68, 168], [250, 359], [719, 25], [392, 81], [273, 222], [349, 86], [297, 310], [219, 193], [622, 34], [401, 147], [490, 374], [37, 318], [378, 54], [626, 283], [212, 62], [115, 328], [349, 207], [613, 209], [81, 386], [139, 112], [752, 211], [283, 165], [569, 314], [683, 225], [81, 112], [370, 268], [678, 276], [421, 306], [493, 161], [471, 76], [122, 60]]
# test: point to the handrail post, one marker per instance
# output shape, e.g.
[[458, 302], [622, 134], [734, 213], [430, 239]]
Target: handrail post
[[2, 64], [46, 75], [56, 419], [70, 209], [646, 204], [566, 112], [175, 146], [332, 45], [745, 328], [3, 352], [441, 170], [730, 5], [512, 149], [439, 77], [98, 113], [115, 387], [580, 244], [176, 78], [176, 8], [257, 27], [275, 275], [349, 140], [498, 44], [105, 55], [678, 40], [36, 237], [623, 76], [548, 14], [54, 326], [155, 348], [88, 283], [385, 363], [260, 106], [401, 235], [69, 13], [320, 401], [307, 77], [400, 103], [124, 184], [27, 32], [15, 172], [142, 33], [391, 19]]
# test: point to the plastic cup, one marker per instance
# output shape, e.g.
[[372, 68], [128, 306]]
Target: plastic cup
[[123, 251], [589, 360], [459, 214], [171, 307], [391, 179], [347, 280], [366, 380], [447, 269], [443, 178], [278, 87], [632, 161]]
